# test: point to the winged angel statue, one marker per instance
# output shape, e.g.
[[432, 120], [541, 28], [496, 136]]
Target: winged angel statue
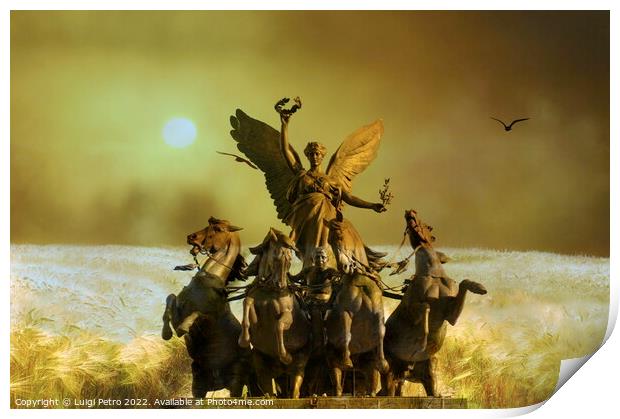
[[306, 199]]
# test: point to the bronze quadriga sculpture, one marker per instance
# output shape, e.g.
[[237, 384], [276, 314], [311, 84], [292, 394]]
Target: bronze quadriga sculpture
[[331, 312]]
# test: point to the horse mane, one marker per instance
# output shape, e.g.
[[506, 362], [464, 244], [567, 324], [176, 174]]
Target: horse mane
[[238, 271], [273, 237], [375, 258]]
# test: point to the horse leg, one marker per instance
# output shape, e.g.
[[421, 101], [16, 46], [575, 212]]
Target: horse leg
[[337, 378], [248, 310], [171, 302], [254, 389], [382, 364], [398, 387], [264, 374], [283, 322], [235, 383], [459, 301], [426, 310], [389, 380], [298, 379], [386, 380], [400, 369], [333, 357], [375, 382], [373, 379], [428, 376], [346, 319], [282, 386], [200, 381], [299, 372]]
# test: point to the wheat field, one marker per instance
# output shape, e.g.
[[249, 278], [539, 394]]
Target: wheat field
[[86, 321]]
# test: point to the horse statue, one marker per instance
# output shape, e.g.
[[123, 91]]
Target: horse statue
[[202, 315], [416, 329], [355, 324], [273, 319]]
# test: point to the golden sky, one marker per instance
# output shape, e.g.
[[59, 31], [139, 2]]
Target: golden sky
[[91, 92]]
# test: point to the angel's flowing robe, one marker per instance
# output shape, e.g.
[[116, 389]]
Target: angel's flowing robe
[[311, 196]]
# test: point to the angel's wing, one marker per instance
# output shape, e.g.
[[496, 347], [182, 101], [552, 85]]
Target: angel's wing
[[261, 144], [355, 154]]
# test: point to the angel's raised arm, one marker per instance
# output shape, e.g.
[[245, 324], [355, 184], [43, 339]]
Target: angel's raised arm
[[289, 155]]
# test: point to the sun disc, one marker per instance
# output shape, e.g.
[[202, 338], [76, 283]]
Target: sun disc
[[179, 132]]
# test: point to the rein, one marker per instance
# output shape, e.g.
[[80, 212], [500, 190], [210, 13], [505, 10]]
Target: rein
[[210, 257], [400, 246], [365, 270], [385, 287], [293, 286]]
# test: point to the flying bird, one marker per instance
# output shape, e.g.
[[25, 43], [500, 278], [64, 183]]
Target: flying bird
[[509, 127], [239, 159]]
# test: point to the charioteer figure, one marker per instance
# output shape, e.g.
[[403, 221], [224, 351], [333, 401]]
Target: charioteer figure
[[319, 280]]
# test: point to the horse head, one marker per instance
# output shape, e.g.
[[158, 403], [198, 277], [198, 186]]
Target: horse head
[[427, 262], [273, 257], [222, 245], [419, 232], [213, 237], [342, 245]]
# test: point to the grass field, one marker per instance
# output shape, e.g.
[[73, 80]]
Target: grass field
[[86, 321]]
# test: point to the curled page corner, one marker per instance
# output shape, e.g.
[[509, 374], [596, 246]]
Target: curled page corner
[[520, 411], [568, 368]]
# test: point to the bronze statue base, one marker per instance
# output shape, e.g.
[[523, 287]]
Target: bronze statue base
[[349, 403]]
